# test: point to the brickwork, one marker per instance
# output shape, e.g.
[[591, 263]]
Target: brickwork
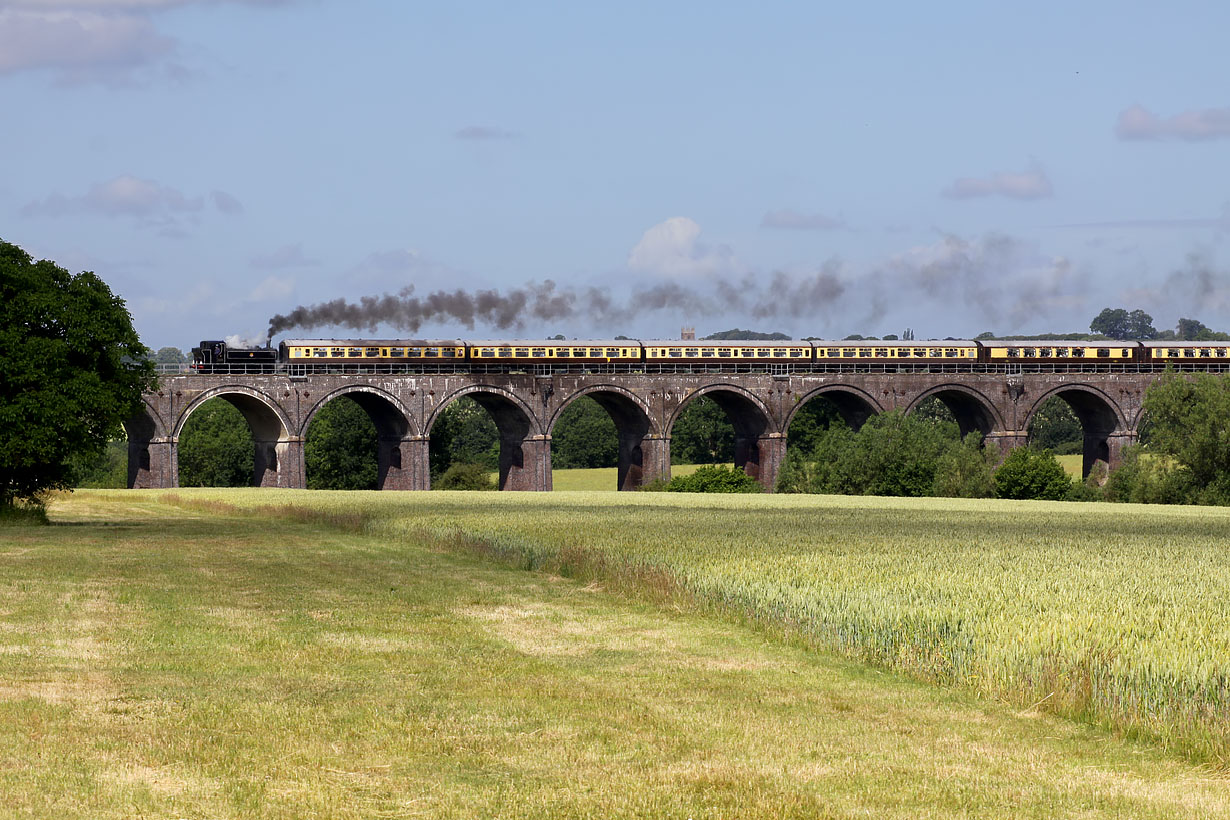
[[644, 407]]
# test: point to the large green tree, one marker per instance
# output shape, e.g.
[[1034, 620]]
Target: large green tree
[[584, 436], [72, 369], [1188, 427], [215, 447], [1118, 323], [339, 450], [1056, 428], [702, 434], [464, 433]]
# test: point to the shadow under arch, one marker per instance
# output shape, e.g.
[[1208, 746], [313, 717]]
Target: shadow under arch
[[148, 454], [270, 429], [642, 450], [1103, 424], [525, 451], [854, 404], [759, 446], [973, 411], [398, 466]]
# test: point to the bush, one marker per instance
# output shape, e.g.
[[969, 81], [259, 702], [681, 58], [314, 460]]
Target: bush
[[465, 477], [1032, 474], [1140, 479], [28, 512], [715, 479], [964, 471]]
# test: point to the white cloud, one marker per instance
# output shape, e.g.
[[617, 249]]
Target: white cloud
[[1031, 184], [149, 203], [670, 248], [788, 219], [88, 40], [1138, 123], [77, 42]]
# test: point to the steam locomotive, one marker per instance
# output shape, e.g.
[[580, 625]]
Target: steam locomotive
[[369, 355]]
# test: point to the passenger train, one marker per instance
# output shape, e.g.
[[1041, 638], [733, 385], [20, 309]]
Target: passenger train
[[556, 355]]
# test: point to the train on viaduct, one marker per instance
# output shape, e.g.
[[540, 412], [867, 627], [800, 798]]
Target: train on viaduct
[[279, 403]]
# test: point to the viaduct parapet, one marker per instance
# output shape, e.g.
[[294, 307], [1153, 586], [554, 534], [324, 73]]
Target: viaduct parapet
[[644, 407]]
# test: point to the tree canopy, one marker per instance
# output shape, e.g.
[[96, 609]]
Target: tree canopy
[[735, 334], [73, 369], [1118, 323]]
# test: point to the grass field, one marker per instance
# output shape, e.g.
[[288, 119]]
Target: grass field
[[1112, 614], [172, 661], [602, 479]]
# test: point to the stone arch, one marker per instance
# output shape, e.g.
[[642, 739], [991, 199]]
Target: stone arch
[[148, 454], [399, 462], [971, 408], [1106, 428], [855, 404], [759, 445], [278, 451], [525, 449], [642, 451]]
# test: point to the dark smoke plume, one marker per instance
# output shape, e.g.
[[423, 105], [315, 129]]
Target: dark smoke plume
[[546, 302]]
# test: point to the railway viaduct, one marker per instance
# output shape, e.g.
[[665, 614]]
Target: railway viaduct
[[643, 406]]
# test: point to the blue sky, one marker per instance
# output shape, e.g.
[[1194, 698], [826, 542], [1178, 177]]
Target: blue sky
[[811, 168]]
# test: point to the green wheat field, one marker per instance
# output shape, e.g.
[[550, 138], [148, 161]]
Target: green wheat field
[[257, 653]]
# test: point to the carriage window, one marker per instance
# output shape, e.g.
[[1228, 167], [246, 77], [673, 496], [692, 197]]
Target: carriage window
[[431, 352], [675, 352], [1044, 352], [881, 353], [951, 352], [562, 352], [539, 352], [1220, 352], [488, 353], [848, 352], [397, 352], [1078, 352], [506, 351], [780, 352], [371, 352], [1013, 352], [1188, 353], [706, 353], [354, 352], [864, 353], [1061, 352], [1205, 353], [320, 353], [448, 352], [1103, 352], [921, 352], [522, 352], [690, 352], [1030, 353], [578, 352], [763, 352], [612, 352]]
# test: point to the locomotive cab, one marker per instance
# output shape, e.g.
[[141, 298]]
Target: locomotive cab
[[207, 354]]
